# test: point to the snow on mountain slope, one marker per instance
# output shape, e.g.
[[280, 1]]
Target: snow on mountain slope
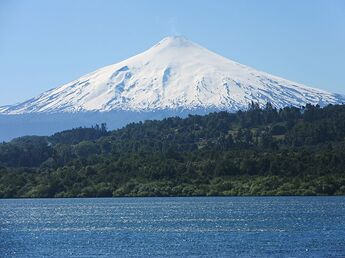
[[175, 73]]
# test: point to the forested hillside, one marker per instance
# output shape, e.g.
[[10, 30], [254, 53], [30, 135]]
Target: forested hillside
[[266, 151]]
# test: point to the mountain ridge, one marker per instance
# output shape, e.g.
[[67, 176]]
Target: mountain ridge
[[175, 73]]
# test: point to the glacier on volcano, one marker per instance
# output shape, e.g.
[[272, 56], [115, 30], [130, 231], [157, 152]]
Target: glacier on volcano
[[173, 74]]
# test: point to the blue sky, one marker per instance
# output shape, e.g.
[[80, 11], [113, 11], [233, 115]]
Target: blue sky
[[44, 44]]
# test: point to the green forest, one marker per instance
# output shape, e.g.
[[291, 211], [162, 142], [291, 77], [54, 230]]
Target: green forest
[[261, 151]]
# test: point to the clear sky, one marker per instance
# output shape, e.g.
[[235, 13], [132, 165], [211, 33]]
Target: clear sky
[[44, 44]]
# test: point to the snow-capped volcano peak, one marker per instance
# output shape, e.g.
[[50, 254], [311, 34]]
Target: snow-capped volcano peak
[[174, 41], [174, 73]]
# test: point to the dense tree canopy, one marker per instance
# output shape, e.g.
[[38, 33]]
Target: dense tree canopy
[[265, 151]]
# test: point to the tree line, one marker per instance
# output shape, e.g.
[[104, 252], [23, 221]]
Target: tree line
[[260, 151]]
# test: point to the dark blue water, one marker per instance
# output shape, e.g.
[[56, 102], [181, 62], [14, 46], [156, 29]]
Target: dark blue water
[[174, 227]]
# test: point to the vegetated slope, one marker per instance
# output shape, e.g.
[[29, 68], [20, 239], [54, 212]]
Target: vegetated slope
[[174, 74], [266, 151]]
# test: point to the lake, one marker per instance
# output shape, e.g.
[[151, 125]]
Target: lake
[[173, 227]]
